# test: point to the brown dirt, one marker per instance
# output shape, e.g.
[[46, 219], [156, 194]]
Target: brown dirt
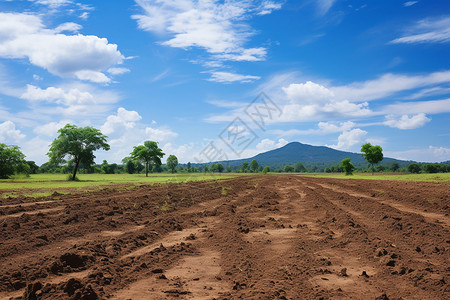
[[259, 237]]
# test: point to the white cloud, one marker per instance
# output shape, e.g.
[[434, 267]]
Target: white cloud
[[267, 7], [407, 122], [227, 77], [70, 27], [23, 36], [51, 129], [119, 123], [387, 85], [350, 138], [308, 93], [324, 5], [9, 133], [409, 3], [267, 145], [430, 154], [418, 107], [217, 27], [160, 134], [118, 71], [58, 95], [53, 3], [432, 30]]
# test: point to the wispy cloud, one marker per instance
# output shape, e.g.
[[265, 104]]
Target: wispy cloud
[[431, 30], [227, 77], [410, 3]]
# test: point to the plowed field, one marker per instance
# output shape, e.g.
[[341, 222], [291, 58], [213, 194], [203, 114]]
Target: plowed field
[[251, 237]]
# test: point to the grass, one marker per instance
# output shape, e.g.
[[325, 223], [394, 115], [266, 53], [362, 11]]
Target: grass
[[46, 182], [436, 177]]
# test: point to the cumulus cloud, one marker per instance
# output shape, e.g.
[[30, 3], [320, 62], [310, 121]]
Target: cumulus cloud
[[85, 57], [350, 138], [70, 100], [310, 101], [58, 95], [51, 129], [268, 144], [120, 122], [431, 30], [160, 134], [218, 27], [407, 122], [9, 133], [227, 77]]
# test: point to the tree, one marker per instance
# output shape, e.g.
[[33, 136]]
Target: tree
[[288, 169], [347, 166], [254, 166], [33, 167], [12, 160], [394, 167], [266, 170], [77, 143], [373, 154], [130, 166], [149, 154], [244, 167], [228, 169], [172, 162], [299, 168], [414, 168], [189, 167]]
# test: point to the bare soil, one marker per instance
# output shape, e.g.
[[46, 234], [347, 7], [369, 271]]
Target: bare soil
[[258, 237]]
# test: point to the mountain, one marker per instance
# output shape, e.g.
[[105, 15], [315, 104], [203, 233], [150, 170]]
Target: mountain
[[319, 156]]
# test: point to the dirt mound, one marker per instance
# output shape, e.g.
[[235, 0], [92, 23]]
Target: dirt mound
[[267, 237]]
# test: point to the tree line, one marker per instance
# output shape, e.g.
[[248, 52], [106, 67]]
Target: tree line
[[73, 151]]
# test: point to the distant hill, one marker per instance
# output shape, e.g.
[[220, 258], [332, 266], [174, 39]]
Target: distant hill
[[319, 156]]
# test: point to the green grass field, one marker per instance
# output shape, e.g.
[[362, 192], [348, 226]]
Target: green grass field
[[436, 177], [43, 183]]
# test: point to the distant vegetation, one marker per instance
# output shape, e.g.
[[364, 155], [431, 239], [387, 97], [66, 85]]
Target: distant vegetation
[[72, 152]]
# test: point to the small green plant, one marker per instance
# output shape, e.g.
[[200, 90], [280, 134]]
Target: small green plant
[[10, 195], [224, 190], [71, 178], [380, 192]]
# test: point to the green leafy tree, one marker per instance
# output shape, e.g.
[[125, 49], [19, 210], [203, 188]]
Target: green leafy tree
[[414, 168], [189, 167], [372, 154], [300, 168], [254, 166], [77, 143], [33, 167], [205, 168], [131, 167], [219, 167], [266, 170], [149, 154], [244, 167], [228, 169], [347, 166], [172, 162], [394, 167], [12, 160], [288, 169]]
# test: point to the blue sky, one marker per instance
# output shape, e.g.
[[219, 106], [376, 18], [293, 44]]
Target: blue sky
[[185, 72]]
